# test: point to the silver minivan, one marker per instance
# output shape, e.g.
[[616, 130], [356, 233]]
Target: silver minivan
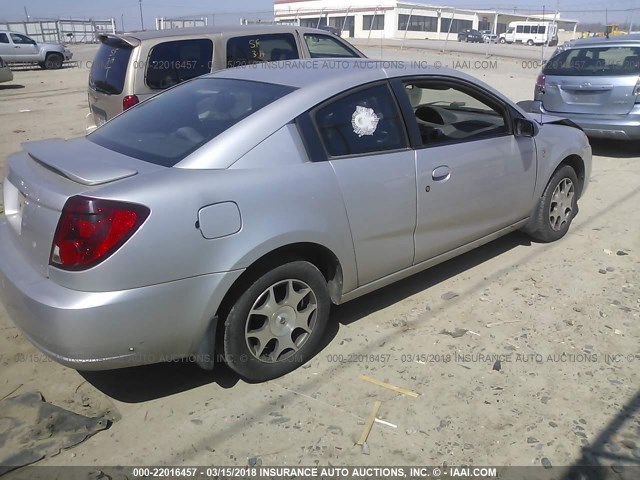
[[132, 67], [596, 83]]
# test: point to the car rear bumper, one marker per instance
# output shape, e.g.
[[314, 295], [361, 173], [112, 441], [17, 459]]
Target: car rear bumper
[[623, 127], [106, 330]]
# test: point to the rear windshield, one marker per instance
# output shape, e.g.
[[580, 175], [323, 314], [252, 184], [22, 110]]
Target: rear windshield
[[166, 128], [109, 68], [595, 61]]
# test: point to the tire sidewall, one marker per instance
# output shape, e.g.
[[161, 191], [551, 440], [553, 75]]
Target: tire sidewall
[[50, 58], [237, 353]]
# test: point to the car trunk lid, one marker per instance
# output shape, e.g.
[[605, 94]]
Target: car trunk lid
[[592, 80], [44, 176]]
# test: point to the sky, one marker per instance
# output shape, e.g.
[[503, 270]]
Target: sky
[[224, 12]]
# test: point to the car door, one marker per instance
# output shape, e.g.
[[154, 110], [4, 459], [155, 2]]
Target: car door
[[362, 134], [24, 47], [474, 176]]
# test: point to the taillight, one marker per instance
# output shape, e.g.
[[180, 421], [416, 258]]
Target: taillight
[[129, 101], [91, 229], [540, 81]]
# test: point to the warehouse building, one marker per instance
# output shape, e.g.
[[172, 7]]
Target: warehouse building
[[397, 19]]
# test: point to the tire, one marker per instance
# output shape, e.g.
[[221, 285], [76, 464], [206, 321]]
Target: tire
[[530, 43], [279, 307], [557, 207], [502, 40], [53, 61]]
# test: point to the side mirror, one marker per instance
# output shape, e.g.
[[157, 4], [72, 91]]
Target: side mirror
[[525, 128]]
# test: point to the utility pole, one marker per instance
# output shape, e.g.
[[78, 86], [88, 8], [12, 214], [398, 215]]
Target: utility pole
[[26, 13], [122, 22], [141, 16]]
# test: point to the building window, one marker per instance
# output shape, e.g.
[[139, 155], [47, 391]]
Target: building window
[[313, 22], [456, 25], [418, 23], [373, 22]]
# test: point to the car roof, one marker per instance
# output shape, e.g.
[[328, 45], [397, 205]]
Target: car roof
[[314, 80], [240, 29], [613, 39]]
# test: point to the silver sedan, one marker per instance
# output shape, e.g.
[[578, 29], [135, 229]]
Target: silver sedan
[[227, 214]]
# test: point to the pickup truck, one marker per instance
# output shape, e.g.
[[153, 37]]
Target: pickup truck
[[19, 48]]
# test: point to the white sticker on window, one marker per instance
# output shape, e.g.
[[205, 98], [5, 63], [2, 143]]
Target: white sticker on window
[[364, 121]]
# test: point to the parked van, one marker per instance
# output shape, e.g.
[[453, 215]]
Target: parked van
[[531, 33], [132, 67]]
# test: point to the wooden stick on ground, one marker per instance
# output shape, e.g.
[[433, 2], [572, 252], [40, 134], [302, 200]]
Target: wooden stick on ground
[[380, 383], [369, 424]]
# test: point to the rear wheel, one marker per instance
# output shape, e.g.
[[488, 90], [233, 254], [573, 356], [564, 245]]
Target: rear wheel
[[530, 43], [557, 207], [54, 61], [277, 324]]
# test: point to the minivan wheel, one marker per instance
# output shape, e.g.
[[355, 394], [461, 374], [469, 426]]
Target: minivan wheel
[[502, 40], [530, 43], [53, 61], [557, 207], [277, 324]]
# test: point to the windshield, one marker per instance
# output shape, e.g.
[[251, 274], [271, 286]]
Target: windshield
[[166, 128], [109, 69]]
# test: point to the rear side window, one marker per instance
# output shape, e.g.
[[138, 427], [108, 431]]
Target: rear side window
[[326, 46], [109, 68], [170, 63], [595, 61], [261, 48], [367, 121], [166, 128], [4, 38]]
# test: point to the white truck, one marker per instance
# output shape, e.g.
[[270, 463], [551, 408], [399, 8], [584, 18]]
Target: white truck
[[531, 33], [19, 48]]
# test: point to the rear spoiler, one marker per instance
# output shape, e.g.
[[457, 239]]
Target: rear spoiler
[[118, 40]]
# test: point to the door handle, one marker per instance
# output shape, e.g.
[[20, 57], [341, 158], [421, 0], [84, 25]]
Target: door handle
[[441, 174]]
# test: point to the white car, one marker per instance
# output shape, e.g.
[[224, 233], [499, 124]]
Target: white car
[[5, 72]]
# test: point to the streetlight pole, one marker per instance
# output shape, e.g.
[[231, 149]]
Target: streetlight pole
[[141, 16]]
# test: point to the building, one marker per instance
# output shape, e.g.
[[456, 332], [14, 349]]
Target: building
[[398, 19]]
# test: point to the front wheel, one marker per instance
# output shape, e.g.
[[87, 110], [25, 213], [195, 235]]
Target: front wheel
[[277, 324], [502, 40], [556, 208], [530, 43], [53, 61]]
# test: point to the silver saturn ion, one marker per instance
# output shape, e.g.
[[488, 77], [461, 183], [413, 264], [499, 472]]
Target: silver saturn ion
[[227, 214]]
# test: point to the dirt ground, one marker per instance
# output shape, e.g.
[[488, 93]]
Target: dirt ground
[[563, 319]]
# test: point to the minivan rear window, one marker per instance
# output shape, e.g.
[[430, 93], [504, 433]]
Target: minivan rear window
[[595, 61], [109, 68], [168, 127]]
